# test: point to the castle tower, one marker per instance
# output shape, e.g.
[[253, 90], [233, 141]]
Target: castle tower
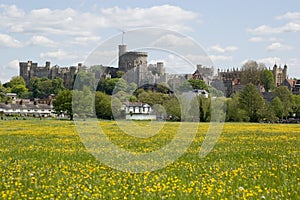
[[161, 69], [122, 49], [24, 71], [284, 72], [48, 65], [131, 59]]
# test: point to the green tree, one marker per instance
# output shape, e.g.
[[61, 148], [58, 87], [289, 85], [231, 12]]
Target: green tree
[[297, 105], [20, 90], [84, 78], [252, 102], [131, 88], [108, 85], [277, 107], [3, 90], [198, 84], [16, 85], [44, 88], [121, 85], [82, 102], [152, 98], [63, 103], [192, 84], [204, 108], [173, 110], [214, 92], [267, 79], [103, 105], [16, 80], [251, 72], [57, 85], [234, 112], [287, 99], [116, 105]]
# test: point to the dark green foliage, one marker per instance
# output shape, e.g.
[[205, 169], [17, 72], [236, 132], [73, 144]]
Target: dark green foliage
[[252, 102], [63, 103], [103, 105], [286, 97]]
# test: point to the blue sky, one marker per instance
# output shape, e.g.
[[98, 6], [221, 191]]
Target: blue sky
[[230, 32]]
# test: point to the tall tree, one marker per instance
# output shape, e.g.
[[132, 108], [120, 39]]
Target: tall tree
[[297, 105], [193, 84], [16, 80], [267, 79], [103, 105], [173, 110], [82, 102], [252, 102], [16, 85], [63, 103], [251, 72], [277, 107], [234, 112], [287, 99]]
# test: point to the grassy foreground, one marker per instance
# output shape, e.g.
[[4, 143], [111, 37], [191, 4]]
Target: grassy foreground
[[46, 160]]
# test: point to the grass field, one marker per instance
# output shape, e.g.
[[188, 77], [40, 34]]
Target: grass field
[[45, 159]]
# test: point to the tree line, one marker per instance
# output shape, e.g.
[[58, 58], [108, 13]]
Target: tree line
[[248, 105]]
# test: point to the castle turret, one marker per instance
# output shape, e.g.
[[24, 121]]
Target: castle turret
[[122, 49], [284, 72], [47, 64]]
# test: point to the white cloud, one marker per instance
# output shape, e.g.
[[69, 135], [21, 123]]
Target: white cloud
[[8, 41], [42, 41], [277, 46], [256, 39], [12, 11], [71, 22], [294, 16], [216, 58], [9, 70], [265, 30], [13, 65], [171, 40], [165, 16], [59, 55], [217, 48], [85, 40], [269, 61]]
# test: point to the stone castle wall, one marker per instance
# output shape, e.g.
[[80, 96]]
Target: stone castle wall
[[30, 70]]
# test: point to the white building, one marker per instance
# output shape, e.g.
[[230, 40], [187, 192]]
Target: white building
[[27, 109], [138, 111]]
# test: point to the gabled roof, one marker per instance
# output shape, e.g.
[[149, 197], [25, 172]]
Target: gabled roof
[[135, 104]]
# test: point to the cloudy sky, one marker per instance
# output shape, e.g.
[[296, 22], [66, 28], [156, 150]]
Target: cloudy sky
[[230, 32]]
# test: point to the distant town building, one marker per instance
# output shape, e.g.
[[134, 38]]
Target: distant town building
[[229, 81], [26, 109]]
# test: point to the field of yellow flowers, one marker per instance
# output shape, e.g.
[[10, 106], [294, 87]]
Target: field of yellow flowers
[[45, 159]]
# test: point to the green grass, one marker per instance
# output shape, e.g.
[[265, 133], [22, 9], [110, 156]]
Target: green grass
[[45, 159]]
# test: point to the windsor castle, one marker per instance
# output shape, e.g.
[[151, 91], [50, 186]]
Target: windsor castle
[[135, 68]]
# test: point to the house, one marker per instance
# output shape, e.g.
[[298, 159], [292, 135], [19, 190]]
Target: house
[[26, 109], [289, 83], [296, 89], [138, 111]]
